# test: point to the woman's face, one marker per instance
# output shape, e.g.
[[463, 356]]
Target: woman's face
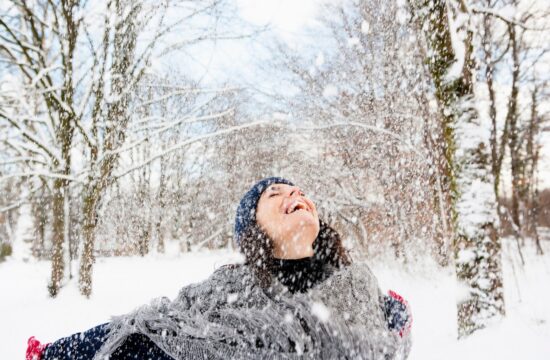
[[290, 220]]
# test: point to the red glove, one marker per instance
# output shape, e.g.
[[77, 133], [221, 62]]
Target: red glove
[[398, 313], [34, 349]]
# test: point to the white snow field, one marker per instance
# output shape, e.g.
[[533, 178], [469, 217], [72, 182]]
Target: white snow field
[[120, 284]]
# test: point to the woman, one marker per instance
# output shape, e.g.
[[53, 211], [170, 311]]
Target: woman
[[297, 295]]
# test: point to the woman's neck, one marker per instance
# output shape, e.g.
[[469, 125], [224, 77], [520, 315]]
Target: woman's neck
[[299, 274]]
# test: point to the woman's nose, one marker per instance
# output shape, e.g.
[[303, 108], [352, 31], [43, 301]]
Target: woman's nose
[[294, 190]]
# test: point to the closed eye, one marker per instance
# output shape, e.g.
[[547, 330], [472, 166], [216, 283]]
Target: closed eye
[[273, 194]]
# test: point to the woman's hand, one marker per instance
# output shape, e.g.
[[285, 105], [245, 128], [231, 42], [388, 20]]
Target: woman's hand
[[398, 313], [34, 349]]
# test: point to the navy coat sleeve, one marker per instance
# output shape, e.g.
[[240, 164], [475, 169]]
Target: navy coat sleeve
[[84, 345]]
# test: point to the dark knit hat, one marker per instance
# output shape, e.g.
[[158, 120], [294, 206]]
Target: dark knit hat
[[246, 212]]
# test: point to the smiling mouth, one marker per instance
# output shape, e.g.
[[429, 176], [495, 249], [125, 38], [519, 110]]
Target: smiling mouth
[[297, 206]]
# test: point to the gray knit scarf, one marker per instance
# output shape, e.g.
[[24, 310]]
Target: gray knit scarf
[[229, 316]]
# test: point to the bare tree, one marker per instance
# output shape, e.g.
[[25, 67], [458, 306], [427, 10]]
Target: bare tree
[[476, 244], [73, 92], [362, 99], [513, 40], [39, 43], [532, 149]]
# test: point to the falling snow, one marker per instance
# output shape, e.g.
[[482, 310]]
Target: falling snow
[[129, 131]]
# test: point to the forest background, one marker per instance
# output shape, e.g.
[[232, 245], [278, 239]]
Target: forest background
[[420, 128]]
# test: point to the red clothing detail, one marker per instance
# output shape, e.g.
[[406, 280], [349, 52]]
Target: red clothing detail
[[407, 328], [34, 349]]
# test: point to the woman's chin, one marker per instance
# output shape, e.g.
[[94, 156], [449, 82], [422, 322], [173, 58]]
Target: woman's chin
[[296, 253], [302, 254], [303, 219]]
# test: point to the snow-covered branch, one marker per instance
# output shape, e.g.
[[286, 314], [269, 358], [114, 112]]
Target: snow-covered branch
[[185, 120], [506, 19], [39, 174], [188, 142], [30, 136]]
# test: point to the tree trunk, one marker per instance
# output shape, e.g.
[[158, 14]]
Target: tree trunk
[[535, 205], [59, 206], [476, 245], [91, 201], [439, 182], [497, 147], [64, 137], [40, 218], [124, 45], [517, 163], [58, 265], [532, 154], [162, 205]]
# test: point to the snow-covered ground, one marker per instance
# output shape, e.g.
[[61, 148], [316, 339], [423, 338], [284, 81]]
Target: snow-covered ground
[[121, 284]]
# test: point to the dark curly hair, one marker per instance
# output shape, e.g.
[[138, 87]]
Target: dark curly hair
[[257, 247]]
